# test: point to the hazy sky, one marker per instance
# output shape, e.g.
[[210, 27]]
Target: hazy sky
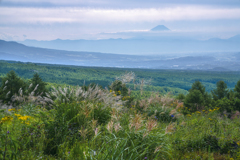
[[97, 19]]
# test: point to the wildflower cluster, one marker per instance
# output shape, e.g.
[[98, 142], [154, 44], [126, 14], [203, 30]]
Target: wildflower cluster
[[6, 119], [13, 109], [23, 118]]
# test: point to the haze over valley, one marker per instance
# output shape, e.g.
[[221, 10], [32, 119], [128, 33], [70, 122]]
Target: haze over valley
[[192, 35], [214, 61]]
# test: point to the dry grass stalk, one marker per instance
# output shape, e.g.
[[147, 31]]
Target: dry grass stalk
[[94, 93], [179, 105], [136, 122], [115, 115], [96, 130], [173, 112], [87, 109], [151, 124], [94, 124], [110, 126], [127, 77], [143, 83], [158, 149], [166, 99], [83, 132], [117, 127], [170, 128], [183, 123], [31, 98]]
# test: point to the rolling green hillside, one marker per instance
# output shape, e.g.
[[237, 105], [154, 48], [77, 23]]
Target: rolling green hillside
[[175, 81]]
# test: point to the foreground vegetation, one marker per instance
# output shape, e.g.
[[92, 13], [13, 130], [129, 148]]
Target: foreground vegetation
[[90, 122]]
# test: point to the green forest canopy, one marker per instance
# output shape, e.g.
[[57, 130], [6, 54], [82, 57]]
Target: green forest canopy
[[176, 81]]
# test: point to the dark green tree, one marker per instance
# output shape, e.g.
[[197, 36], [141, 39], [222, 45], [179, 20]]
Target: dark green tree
[[180, 97], [197, 85], [37, 85], [225, 105], [11, 85], [235, 96], [194, 100], [237, 90], [221, 91], [197, 98]]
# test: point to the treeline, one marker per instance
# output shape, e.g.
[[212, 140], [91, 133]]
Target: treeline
[[196, 99], [77, 75], [223, 99], [12, 84]]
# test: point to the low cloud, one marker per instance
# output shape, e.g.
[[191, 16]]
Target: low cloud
[[16, 15]]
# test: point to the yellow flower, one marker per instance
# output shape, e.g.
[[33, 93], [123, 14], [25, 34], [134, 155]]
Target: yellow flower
[[24, 118], [18, 115], [115, 95], [210, 119], [238, 142], [13, 109], [110, 91], [6, 119], [189, 115]]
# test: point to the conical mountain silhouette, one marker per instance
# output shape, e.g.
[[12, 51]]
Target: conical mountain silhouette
[[160, 28]]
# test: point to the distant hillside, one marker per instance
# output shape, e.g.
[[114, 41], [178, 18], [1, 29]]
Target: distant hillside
[[143, 45], [19, 52]]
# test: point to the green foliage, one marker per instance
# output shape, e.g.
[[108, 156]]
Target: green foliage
[[230, 147], [119, 88], [237, 90], [197, 98], [194, 100], [11, 85], [180, 97], [163, 81], [161, 113], [92, 123], [225, 105], [72, 117], [197, 85], [37, 85], [221, 91]]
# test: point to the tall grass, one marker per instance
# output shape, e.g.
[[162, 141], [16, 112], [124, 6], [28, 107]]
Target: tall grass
[[74, 123]]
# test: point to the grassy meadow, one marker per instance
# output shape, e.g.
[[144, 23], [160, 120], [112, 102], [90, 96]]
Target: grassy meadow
[[89, 122]]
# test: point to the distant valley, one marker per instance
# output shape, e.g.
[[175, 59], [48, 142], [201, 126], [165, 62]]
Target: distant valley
[[213, 61]]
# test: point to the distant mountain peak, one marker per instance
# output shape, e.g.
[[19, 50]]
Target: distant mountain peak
[[235, 38], [160, 28]]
